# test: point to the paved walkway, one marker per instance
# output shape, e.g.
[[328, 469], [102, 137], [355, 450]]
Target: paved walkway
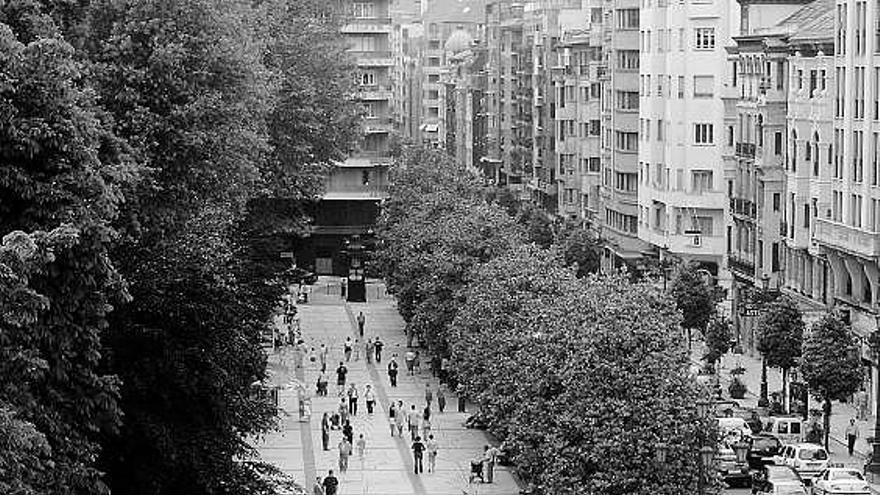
[[387, 467]]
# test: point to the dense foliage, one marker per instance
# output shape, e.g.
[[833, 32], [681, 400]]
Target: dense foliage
[[831, 365], [141, 144], [693, 296], [781, 337], [581, 375]]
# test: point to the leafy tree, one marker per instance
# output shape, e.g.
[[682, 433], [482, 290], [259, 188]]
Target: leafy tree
[[693, 297], [718, 337], [61, 168], [537, 224], [831, 365], [781, 338], [579, 245]]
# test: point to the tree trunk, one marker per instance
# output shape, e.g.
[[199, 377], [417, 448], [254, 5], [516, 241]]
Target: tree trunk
[[826, 420], [786, 394]]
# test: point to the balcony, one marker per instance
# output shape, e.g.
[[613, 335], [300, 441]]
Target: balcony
[[373, 58], [375, 93], [378, 125], [379, 25], [745, 150], [847, 238], [743, 207], [741, 266]]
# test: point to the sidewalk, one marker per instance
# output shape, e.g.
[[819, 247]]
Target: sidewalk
[[841, 413], [387, 467]]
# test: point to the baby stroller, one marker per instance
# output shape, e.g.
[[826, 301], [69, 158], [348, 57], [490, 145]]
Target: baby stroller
[[476, 471]]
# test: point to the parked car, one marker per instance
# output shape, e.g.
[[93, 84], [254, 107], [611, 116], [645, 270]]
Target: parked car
[[734, 426], [772, 473], [840, 480], [808, 459], [783, 488], [762, 450], [786, 429]]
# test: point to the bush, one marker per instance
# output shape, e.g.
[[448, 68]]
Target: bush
[[737, 389]]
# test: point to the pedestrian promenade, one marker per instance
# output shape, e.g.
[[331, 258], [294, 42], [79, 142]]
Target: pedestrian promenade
[[387, 466]]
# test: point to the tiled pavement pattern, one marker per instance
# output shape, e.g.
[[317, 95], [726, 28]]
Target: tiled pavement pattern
[[387, 467]]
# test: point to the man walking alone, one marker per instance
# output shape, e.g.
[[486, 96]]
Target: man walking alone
[[852, 434], [361, 320], [418, 452]]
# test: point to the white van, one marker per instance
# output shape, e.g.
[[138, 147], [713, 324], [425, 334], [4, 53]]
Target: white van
[[787, 429]]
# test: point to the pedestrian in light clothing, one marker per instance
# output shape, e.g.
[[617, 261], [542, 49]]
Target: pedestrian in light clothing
[[409, 358], [322, 355], [441, 399], [429, 394], [852, 434], [418, 452], [370, 398], [400, 418], [331, 484], [378, 345], [361, 446], [370, 351], [325, 431], [360, 321], [357, 350], [318, 489], [392, 371], [343, 410], [431, 447], [347, 348], [413, 422], [344, 453], [489, 457]]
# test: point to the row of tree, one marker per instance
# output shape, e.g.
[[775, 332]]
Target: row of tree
[[581, 375], [145, 150]]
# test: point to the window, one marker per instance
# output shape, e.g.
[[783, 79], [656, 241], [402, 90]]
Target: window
[[626, 182], [594, 128], [628, 59], [774, 257], [701, 181], [855, 210], [433, 94], [593, 164], [433, 112], [363, 10], [434, 44], [703, 133], [369, 109], [704, 38], [680, 87], [596, 15], [660, 130], [704, 225], [627, 141], [433, 61], [704, 86], [368, 78], [681, 39], [628, 19], [433, 78], [627, 100]]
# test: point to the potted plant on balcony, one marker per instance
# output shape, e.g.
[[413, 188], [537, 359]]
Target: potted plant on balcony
[[737, 389]]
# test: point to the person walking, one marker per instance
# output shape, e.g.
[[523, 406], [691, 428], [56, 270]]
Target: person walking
[[370, 351], [331, 484], [852, 434], [441, 399], [343, 410], [400, 418], [318, 489], [361, 446], [429, 394], [361, 319], [346, 349], [325, 431], [322, 355], [357, 350], [378, 345], [861, 400], [413, 422], [417, 362], [392, 371], [342, 287], [370, 398], [490, 456], [444, 367], [461, 405], [418, 449], [321, 385], [431, 447], [341, 371], [410, 359], [426, 427], [352, 400], [348, 431], [344, 453], [426, 413]]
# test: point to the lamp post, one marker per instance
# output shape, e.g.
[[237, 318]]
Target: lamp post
[[764, 399], [703, 408], [357, 289], [874, 342]]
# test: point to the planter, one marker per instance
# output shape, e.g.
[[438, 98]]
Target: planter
[[737, 389]]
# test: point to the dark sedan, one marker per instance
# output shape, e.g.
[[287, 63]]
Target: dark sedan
[[762, 449]]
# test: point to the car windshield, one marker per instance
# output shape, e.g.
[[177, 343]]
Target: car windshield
[[764, 443], [781, 473], [845, 474], [790, 490], [810, 454]]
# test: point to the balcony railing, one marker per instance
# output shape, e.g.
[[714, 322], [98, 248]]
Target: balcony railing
[[741, 265], [746, 150], [847, 238], [744, 207]]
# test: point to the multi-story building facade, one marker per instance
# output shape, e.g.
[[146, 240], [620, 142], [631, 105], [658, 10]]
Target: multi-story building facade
[[757, 153], [355, 187], [682, 199], [620, 135]]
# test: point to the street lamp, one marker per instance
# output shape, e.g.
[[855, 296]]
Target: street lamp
[[707, 454], [764, 400], [874, 342]]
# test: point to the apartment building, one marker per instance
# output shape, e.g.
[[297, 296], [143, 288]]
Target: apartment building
[[464, 83], [355, 186], [681, 194], [764, 117], [620, 140], [578, 116], [408, 41]]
